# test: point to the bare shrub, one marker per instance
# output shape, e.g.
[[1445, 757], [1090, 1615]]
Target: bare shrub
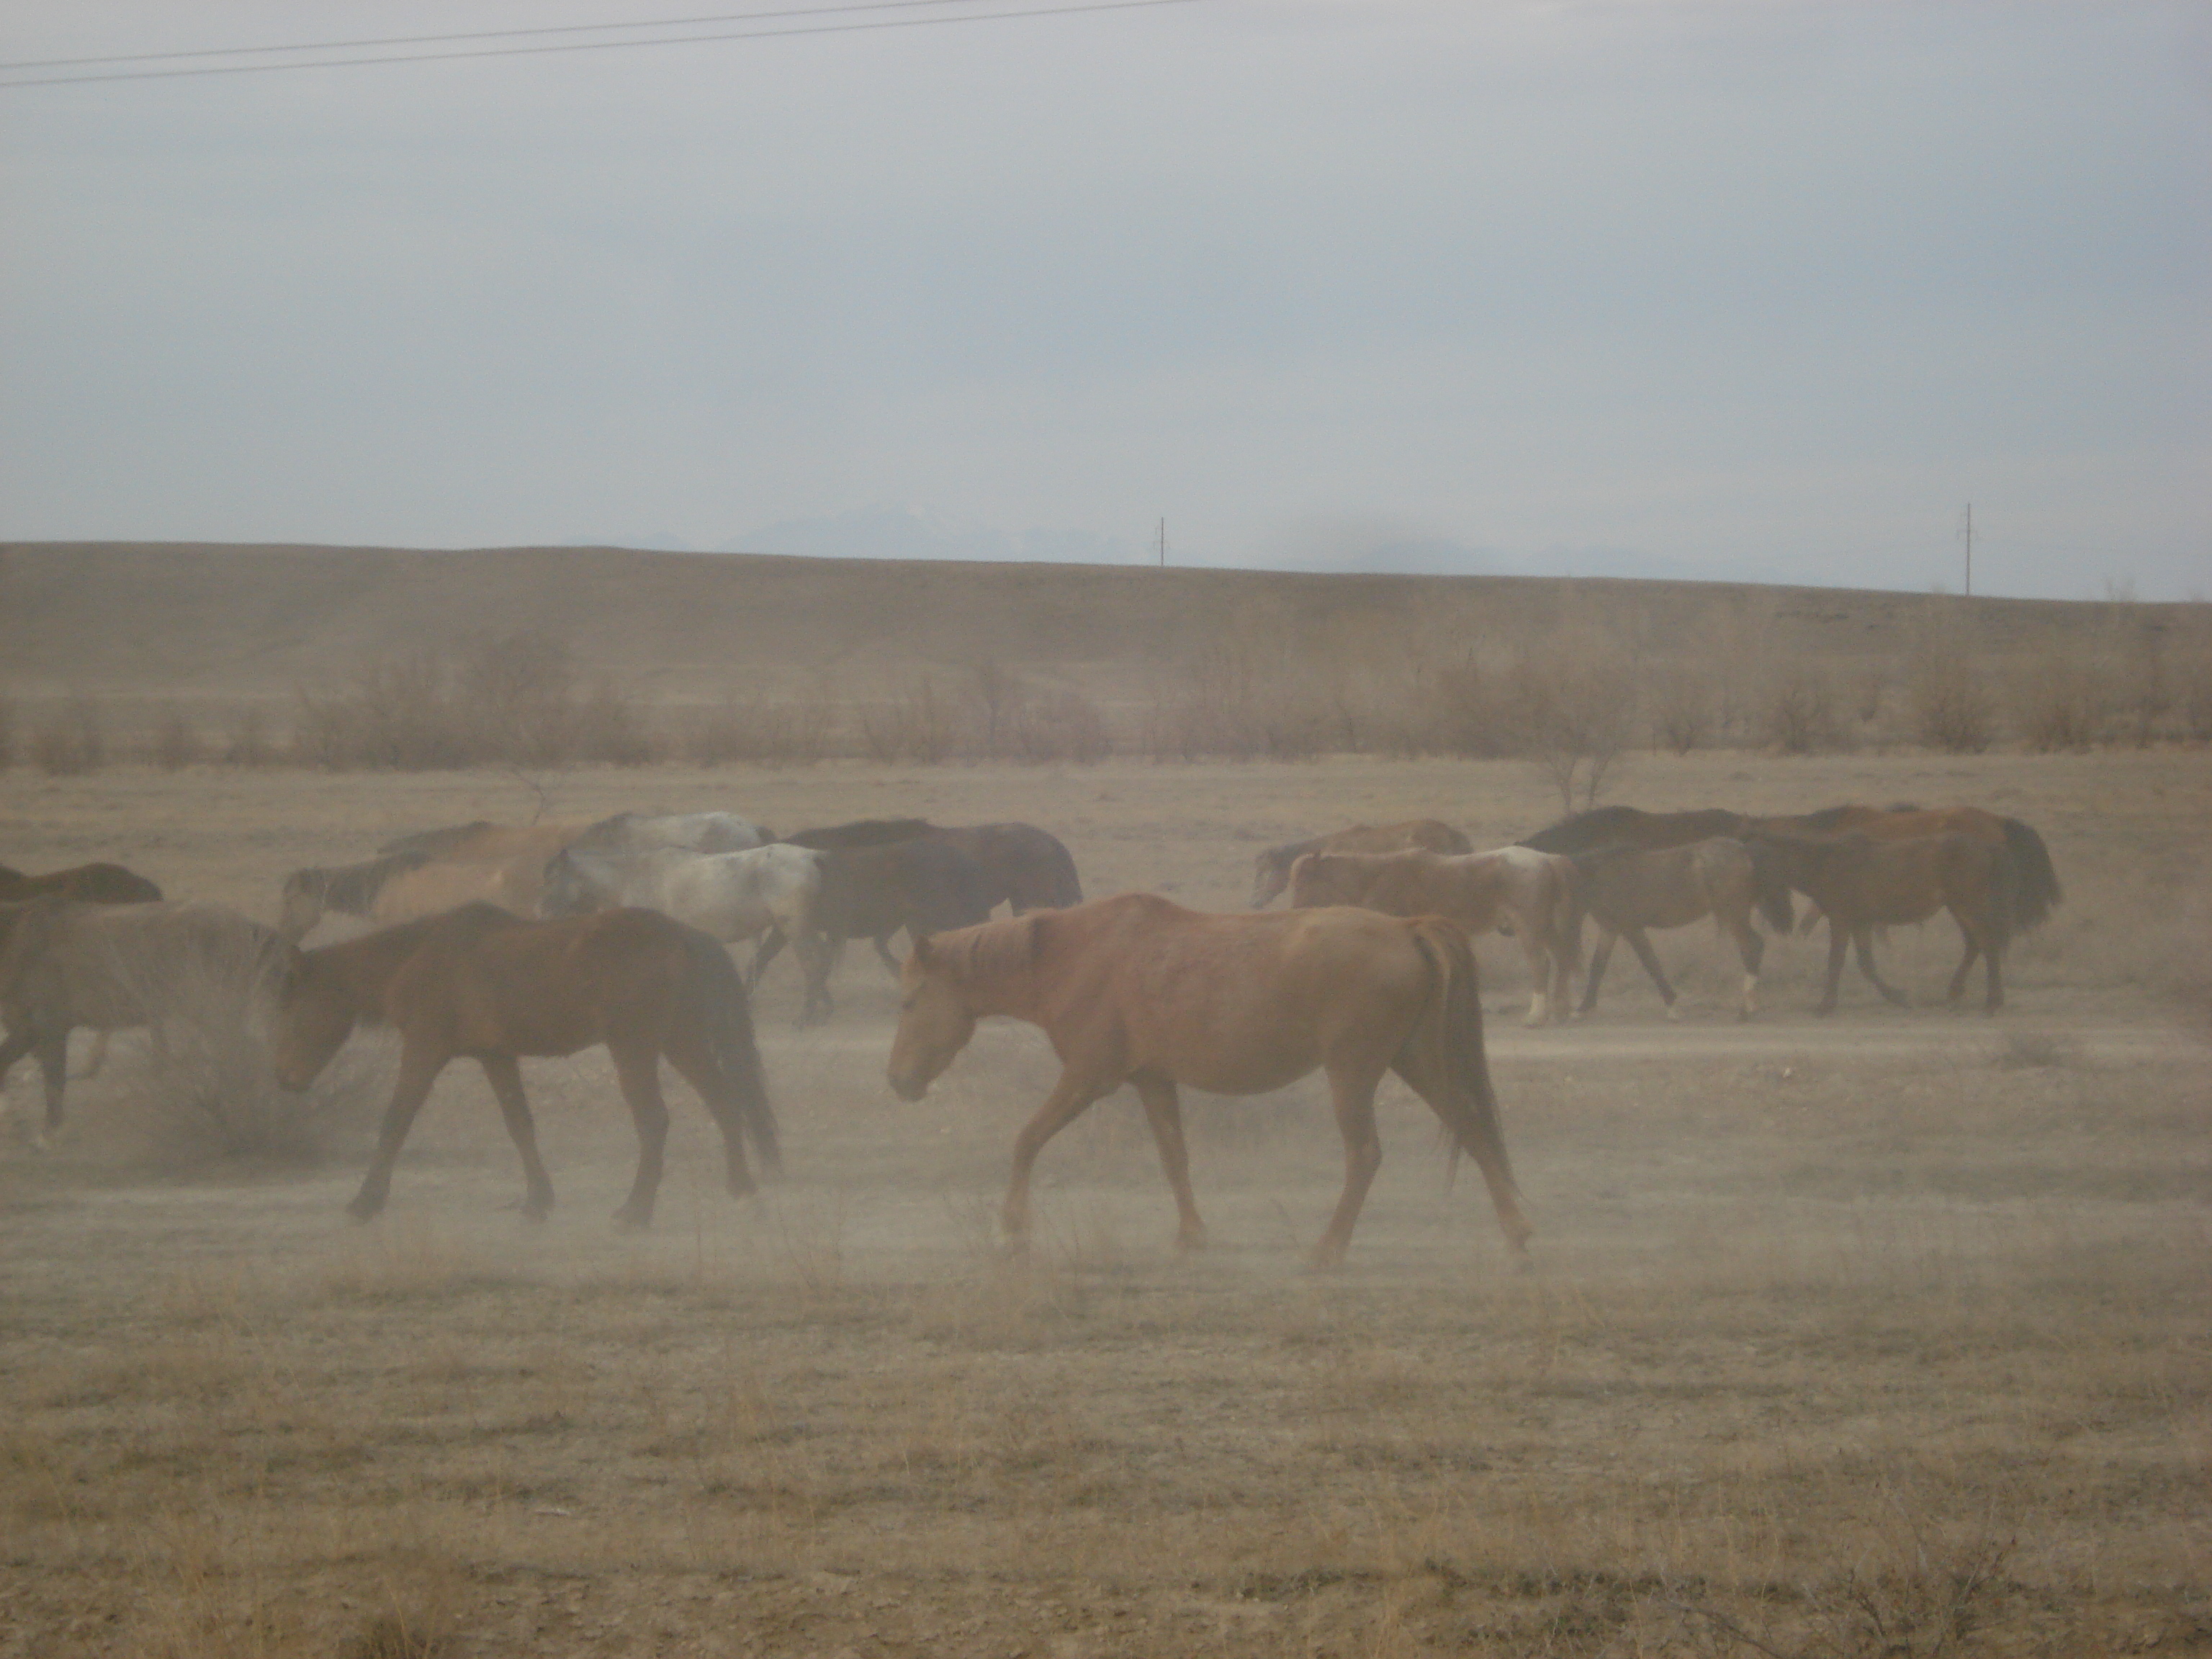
[[999, 696], [755, 732], [1682, 712], [610, 728], [919, 728], [2192, 699], [1062, 725], [2144, 692], [1945, 689], [1581, 700], [1799, 716], [7, 734], [2060, 701], [175, 744], [248, 744], [70, 740]]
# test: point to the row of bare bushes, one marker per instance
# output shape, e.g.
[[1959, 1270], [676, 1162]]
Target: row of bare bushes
[[1575, 697]]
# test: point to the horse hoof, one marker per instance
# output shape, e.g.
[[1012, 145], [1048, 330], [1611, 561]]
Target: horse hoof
[[1673, 1015], [365, 1209], [631, 1219]]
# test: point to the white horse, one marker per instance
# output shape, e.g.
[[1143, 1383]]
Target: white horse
[[732, 896], [689, 832], [1514, 890]]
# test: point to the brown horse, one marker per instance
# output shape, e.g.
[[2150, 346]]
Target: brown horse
[[119, 967], [480, 983], [1271, 868], [88, 884], [1136, 989], [1625, 891], [483, 839], [2038, 892], [1631, 826], [1862, 883], [1529, 894]]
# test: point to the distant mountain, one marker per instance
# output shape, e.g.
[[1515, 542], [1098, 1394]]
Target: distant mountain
[[922, 533]]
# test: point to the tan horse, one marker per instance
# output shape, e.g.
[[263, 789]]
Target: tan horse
[[479, 983], [513, 885], [1136, 989], [1271, 869], [2036, 892], [1529, 894]]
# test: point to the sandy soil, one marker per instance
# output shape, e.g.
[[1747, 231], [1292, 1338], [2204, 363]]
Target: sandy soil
[[1885, 1335]]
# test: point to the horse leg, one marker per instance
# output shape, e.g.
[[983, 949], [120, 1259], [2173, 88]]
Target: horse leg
[[96, 1058], [1863, 941], [1752, 949], [1973, 943], [1599, 958], [816, 956], [1641, 944], [638, 1074], [17, 1044], [1067, 1100], [765, 953], [505, 1076], [1352, 1091], [418, 1070], [1163, 1112], [696, 1064], [52, 1051], [1540, 974], [1839, 940], [1468, 1112]]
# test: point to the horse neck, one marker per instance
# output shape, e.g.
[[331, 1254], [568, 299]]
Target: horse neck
[[364, 967]]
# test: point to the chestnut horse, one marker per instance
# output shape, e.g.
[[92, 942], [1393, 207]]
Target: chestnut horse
[[1136, 989], [1529, 894], [480, 983], [1862, 883], [1625, 891], [1271, 868], [2036, 893]]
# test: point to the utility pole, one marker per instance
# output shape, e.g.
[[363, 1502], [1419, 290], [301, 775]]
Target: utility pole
[[1968, 533]]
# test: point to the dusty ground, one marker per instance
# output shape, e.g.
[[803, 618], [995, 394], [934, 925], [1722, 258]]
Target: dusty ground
[[1882, 1335]]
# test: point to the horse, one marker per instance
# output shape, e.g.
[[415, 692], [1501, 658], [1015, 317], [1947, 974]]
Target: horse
[[1533, 893], [1625, 891], [88, 884], [1136, 989], [732, 896], [118, 967], [921, 885], [483, 841], [689, 832], [477, 982], [1862, 883], [1271, 868], [1027, 868], [1631, 826], [349, 888], [2038, 892]]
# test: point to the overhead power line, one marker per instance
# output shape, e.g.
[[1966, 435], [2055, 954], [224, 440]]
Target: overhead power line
[[477, 34], [847, 27]]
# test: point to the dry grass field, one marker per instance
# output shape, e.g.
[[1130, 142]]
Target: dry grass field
[[1885, 1335]]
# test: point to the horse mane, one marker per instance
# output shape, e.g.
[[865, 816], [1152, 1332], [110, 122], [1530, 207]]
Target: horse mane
[[1828, 818], [988, 950], [861, 832], [354, 888]]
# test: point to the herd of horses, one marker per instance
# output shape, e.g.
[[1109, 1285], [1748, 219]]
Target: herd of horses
[[497, 942]]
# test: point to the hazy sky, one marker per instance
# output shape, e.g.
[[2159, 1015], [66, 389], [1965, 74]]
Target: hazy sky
[[1732, 288]]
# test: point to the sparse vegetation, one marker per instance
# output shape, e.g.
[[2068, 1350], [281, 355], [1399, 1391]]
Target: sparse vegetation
[[70, 739]]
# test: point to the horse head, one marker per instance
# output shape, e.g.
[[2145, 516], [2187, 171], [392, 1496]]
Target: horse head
[[315, 1014], [569, 887], [1271, 873], [935, 1019]]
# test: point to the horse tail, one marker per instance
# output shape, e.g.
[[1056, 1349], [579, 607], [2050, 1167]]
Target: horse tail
[[2038, 891], [2006, 895], [1445, 1045], [1769, 891], [1067, 886], [727, 1014]]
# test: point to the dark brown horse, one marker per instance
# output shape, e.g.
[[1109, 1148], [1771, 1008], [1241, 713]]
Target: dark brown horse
[[2038, 892], [88, 884], [1025, 867], [1862, 883], [1271, 866], [1626, 892], [120, 967], [1138, 990], [479, 983], [1631, 826], [351, 889]]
